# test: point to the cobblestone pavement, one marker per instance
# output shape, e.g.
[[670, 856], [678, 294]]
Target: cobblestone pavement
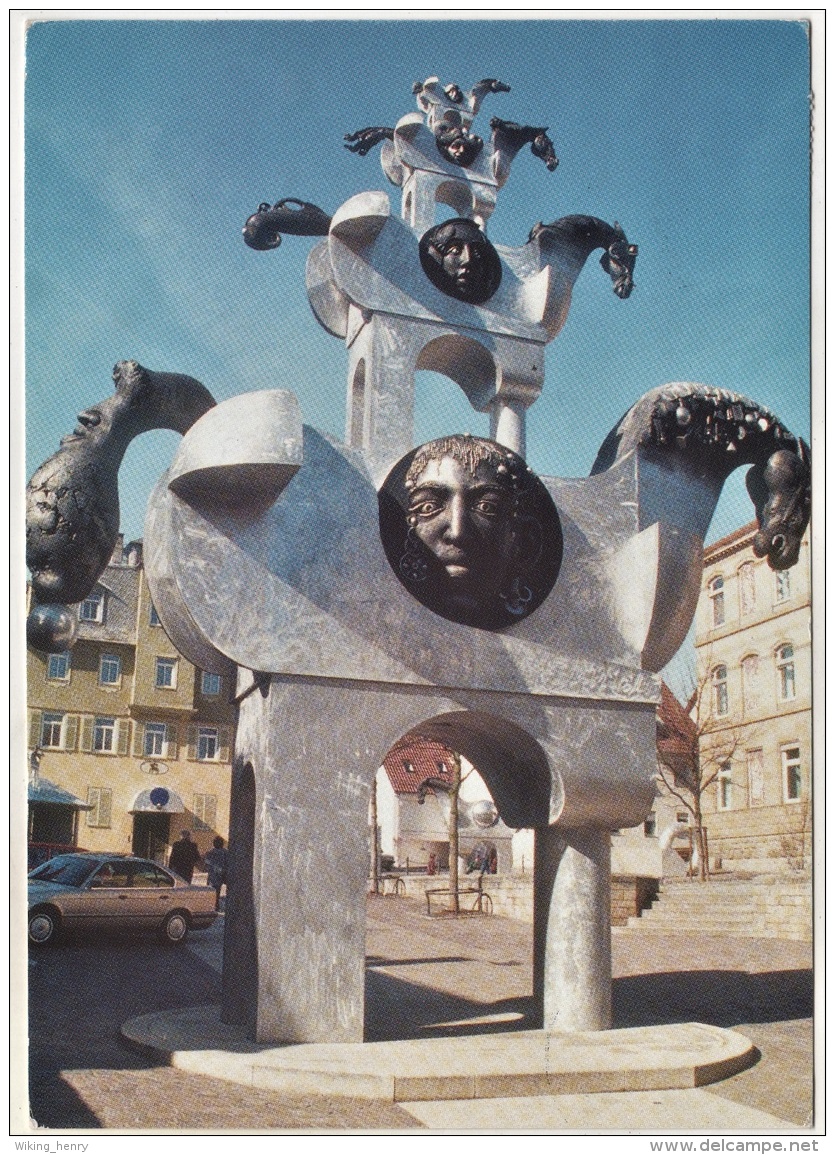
[[425, 977]]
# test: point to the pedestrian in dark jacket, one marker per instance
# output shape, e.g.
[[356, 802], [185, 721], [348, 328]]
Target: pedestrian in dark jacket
[[184, 856], [216, 863]]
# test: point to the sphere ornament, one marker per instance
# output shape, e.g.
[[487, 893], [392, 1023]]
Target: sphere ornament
[[51, 629]]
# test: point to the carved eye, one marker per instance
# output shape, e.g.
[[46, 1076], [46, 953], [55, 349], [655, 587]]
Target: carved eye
[[426, 508]]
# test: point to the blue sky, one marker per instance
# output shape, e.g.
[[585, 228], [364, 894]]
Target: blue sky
[[149, 142]]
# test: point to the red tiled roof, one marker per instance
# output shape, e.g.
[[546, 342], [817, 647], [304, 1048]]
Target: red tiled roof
[[424, 756], [676, 733]]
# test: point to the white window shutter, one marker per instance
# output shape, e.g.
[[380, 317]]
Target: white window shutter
[[191, 742], [171, 741]]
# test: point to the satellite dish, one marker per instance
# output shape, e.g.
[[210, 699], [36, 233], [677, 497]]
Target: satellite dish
[[153, 766], [159, 796]]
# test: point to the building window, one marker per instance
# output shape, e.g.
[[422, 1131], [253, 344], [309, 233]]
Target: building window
[[785, 673], [408, 767], [724, 785], [207, 744], [102, 803], [154, 744], [719, 684], [716, 593], [649, 826], [442, 768], [750, 684], [210, 684], [792, 778], [756, 780], [166, 674], [104, 735], [58, 667], [782, 585], [153, 616], [51, 728], [683, 817], [92, 608], [205, 811], [747, 588], [110, 670]]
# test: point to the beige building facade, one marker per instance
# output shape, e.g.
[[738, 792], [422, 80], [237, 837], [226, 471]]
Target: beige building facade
[[754, 673], [129, 727]]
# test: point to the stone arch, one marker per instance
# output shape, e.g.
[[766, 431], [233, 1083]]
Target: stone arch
[[465, 361], [457, 196], [513, 765]]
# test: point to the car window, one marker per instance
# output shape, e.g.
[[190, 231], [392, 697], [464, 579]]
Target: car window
[[147, 874], [66, 869], [112, 874]]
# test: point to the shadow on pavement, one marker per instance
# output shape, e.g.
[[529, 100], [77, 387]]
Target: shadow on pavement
[[721, 998]]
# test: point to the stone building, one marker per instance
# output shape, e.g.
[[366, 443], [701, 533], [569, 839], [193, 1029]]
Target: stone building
[[411, 831], [127, 726], [754, 708]]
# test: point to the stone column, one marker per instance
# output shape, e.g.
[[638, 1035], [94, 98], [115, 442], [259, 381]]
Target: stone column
[[572, 928], [507, 423]]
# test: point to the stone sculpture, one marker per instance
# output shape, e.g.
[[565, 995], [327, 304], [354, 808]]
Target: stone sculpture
[[471, 531], [72, 500], [449, 594], [459, 260]]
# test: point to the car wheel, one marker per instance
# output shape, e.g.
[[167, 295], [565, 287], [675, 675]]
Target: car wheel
[[175, 928], [43, 927]]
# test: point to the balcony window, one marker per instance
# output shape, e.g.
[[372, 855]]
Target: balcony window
[[58, 667], [104, 735], [747, 588], [785, 673], [207, 744], [92, 608], [719, 685], [110, 670], [166, 678], [750, 684], [716, 593], [51, 730], [792, 776], [154, 744]]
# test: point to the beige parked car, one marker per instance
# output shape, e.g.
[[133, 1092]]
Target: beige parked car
[[114, 891]]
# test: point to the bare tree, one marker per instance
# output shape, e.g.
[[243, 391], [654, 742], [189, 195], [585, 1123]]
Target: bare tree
[[695, 745], [452, 789]]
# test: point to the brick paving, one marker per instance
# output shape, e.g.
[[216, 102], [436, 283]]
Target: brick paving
[[425, 977]]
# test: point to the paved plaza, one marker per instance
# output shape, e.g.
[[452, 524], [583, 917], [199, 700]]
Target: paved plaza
[[427, 978]]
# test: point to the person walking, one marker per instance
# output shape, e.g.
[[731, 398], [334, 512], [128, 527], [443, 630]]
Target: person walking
[[216, 861], [184, 856]]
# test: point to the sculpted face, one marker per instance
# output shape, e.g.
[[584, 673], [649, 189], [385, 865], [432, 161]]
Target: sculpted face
[[459, 260], [470, 531], [465, 520]]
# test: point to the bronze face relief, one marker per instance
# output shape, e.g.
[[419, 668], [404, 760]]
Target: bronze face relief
[[460, 261], [471, 531]]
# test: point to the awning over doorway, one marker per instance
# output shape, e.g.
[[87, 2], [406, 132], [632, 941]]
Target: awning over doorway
[[42, 790], [158, 800]]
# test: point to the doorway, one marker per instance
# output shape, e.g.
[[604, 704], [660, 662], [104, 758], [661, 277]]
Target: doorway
[[151, 836]]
